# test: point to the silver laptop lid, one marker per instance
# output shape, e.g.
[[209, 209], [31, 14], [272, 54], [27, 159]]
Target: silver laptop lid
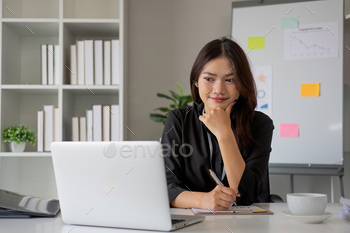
[[114, 184]]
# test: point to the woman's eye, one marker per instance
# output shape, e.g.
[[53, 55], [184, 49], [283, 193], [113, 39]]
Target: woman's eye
[[208, 79], [230, 80]]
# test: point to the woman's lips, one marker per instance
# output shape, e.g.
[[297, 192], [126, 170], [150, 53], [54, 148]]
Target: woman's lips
[[216, 99]]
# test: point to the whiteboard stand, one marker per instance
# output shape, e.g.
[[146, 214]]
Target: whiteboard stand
[[310, 169]]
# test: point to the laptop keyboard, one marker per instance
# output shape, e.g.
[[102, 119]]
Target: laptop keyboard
[[174, 221]]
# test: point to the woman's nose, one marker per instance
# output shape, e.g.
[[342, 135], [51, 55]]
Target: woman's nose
[[219, 87]]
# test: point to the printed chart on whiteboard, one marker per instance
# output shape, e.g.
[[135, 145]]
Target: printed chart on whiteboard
[[263, 80], [311, 41]]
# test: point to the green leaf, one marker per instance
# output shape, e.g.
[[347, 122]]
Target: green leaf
[[19, 133], [189, 99], [158, 117], [184, 100], [165, 96], [163, 109], [178, 100], [180, 89], [175, 95]]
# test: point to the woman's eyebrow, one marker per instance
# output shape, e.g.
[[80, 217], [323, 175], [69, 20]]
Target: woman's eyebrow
[[209, 73], [230, 74], [215, 75]]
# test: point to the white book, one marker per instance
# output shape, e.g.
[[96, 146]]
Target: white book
[[89, 128], [32, 204], [73, 65], [40, 132], [89, 62], [43, 64], [107, 62], [57, 128], [80, 62], [106, 123], [48, 126], [82, 129], [98, 60], [56, 65], [115, 123], [115, 62], [50, 72], [75, 129], [97, 122]]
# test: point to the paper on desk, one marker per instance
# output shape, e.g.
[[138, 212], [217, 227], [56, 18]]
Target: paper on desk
[[344, 201], [346, 212], [232, 209]]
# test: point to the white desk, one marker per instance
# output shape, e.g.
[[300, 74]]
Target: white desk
[[225, 223]]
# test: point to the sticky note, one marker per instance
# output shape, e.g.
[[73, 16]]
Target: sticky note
[[289, 22], [289, 130], [256, 42], [310, 89]]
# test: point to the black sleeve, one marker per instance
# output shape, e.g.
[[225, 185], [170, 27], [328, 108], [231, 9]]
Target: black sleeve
[[252, 180], [171, 138]]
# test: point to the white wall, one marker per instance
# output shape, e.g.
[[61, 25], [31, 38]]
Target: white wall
[[164, 37]]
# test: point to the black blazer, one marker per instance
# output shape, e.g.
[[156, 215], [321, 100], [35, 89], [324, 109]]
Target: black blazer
[[187, 157]]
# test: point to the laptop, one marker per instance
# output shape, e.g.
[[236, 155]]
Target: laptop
[[115, 184]]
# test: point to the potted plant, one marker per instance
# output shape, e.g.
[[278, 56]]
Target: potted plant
[[177, 100], [18, 135]]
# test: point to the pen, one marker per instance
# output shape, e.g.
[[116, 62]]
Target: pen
[[215, 178], [218, 181]]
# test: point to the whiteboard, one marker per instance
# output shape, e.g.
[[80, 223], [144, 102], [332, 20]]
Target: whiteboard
[[296, 60]]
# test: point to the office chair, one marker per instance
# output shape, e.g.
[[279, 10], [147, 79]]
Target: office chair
[[265, 195]]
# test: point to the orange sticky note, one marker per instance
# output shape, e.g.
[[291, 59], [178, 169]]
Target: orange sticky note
[[289, 130], [310, 89]]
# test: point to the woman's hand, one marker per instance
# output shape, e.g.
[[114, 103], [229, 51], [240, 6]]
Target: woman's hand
[[218, 120], [220, 198]]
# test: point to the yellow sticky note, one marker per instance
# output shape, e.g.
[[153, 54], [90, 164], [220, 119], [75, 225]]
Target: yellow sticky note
[[256, 42], [310, 89]]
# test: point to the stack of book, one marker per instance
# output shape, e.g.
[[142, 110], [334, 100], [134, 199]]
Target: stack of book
[[99, 124], [95, 62], [48, 127], [50, 57]]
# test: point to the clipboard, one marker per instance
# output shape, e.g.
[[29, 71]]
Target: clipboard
[[234, 210]]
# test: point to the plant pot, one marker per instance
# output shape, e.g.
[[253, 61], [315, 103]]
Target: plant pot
[[17, 147]]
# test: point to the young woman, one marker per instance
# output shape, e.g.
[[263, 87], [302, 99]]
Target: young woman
[[221, 132]]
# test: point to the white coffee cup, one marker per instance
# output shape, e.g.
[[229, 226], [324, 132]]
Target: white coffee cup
[[306, 204]]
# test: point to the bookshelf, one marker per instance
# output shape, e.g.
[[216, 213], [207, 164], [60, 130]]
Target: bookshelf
[[24, 26]]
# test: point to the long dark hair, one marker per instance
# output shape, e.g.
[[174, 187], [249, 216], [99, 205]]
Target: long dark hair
[[244, 107]]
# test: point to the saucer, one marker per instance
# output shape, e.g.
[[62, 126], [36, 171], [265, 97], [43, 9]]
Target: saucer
[[307, 219]]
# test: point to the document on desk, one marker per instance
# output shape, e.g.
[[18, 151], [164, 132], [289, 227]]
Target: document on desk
[[238, 210]]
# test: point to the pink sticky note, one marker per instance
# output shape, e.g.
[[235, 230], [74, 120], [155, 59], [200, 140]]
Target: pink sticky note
[[289, 130]]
